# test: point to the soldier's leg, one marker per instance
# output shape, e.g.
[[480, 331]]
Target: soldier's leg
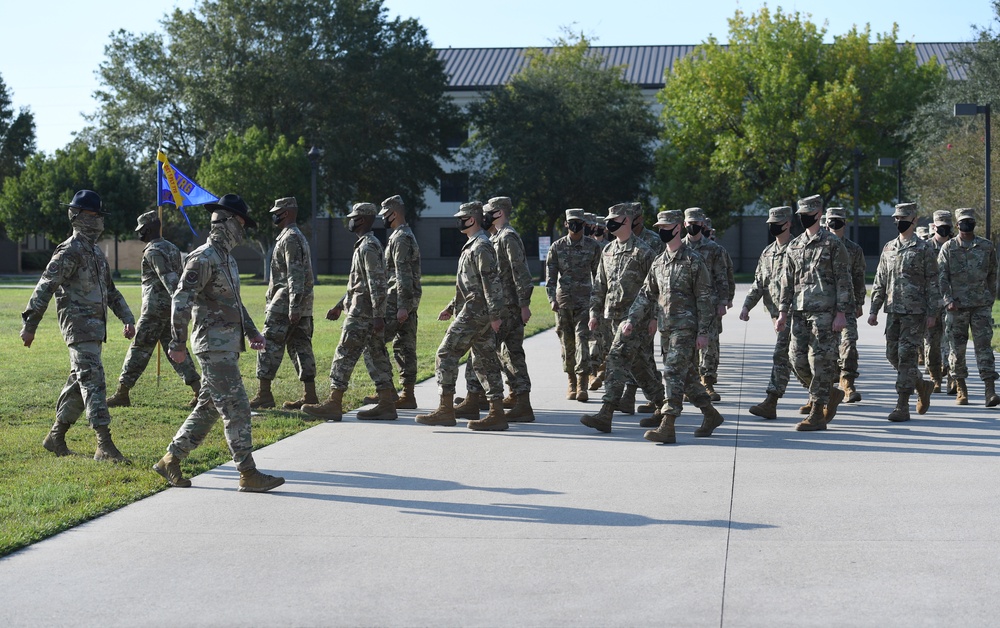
[[300, 349], [848, 359], [404, 350], [472, 384], [710, 359], [85, 388], [643, 366], [680, 370], [799, 345], [147, 332], [199, 423], [932, 349], [354, 338], [617, 365], [705, 358], [892, 330], [487, 363], [910, 337], [456, 342], [781, 366], [276, 330], [981, 321], [960, 320], [581, 334], [565, 330], [822, 355], [511, 354], [185, 369], [377, 361]]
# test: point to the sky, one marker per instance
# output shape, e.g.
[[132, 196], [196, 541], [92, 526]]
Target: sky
[[51, 49]]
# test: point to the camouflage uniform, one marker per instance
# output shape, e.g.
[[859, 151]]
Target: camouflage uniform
[[716, 259], [289, 295], [161, 267], [937, 342], [848, 360], [79, 277], [600, 340], [570, 268], [968, 276], [402, 265]]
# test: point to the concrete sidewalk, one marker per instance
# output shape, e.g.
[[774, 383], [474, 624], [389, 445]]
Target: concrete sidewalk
[[869, 523]]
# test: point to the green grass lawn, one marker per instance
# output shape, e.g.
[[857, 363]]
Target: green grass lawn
[[41, 495]]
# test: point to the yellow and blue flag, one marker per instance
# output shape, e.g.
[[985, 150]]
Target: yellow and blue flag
[[173, 186]]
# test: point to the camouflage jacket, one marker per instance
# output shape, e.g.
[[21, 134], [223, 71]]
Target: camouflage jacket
[[290, 290], [767, 279], [730, 277], [477, 284], [366, 285], [161, 268], [513, 263], [906, 281], [817, 276], [678, 281], [79, 277], [715, 258], [856, 260], [402, 266], [968, 272], [209, 291], [623, 270], [652, 238], [569, 271]]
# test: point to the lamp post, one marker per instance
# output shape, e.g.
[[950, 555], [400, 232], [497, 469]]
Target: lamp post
[[858, 156], [314, 155], [967, 109], [889, 162]]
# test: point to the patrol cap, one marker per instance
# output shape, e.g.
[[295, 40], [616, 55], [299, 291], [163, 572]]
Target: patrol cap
[[779, 214], [499, 203], [472, 208], [621, 210], [636, 209], [145, 219], [965, 213], [590, 218], [87, 200], [576, 214], [708, 223], [922, 232], [669, 217], [694, 214], [282, 204], [362, 209], [836, 212], [905, 209], [810, 204], [393, 203], [942, 217], [235, 205]]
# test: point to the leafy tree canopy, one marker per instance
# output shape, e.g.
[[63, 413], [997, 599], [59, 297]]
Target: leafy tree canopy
[[17, 135]]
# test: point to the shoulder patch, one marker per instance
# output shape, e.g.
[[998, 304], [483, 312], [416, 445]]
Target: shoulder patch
[[191, 276], [52, 268]]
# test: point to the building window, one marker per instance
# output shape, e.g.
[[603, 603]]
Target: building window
[[868, 240], [455, 187], [456, 138], [452, 241]]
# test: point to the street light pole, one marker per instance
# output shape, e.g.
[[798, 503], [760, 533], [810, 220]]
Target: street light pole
[[858, 156], [888, 162], [971, 109], [313, 155]]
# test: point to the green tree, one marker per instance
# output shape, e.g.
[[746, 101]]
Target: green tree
[[565, 132], [777, 115], [17, 135], [367, 90], [259, 170]]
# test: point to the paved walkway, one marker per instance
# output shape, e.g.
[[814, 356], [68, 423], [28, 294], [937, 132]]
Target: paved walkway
[[867, 524]]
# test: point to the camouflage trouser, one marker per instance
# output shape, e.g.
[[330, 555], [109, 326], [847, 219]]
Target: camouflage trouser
[[404, 346], [813, 351], [574, 339], [848, 359], [222, 393], [297, 339], [600, 342], [463, 334], [781, 366], [680, 355], [357, 335], [85, 389], [981, 321], [708, 358], [510, 351], [937, 346], [904, 333], [148, 332], [627, 359]]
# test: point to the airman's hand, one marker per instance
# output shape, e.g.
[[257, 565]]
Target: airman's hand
[[444, 315], [27, 338], [177, 355], [701, 342], [495, 325], [129, 331], [379, 325], [258, 343], [744, 314], [402, 315], [839, 322]]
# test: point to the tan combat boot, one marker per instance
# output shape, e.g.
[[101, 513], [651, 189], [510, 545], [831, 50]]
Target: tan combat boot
[[495, 420], [196, 389], [264, 398], [961, 393], [308, 397], [806, 409], [952, 386], [767, 409], [169, 467], [484, 403], [711, 419], [602, 420], [626, 405], [508, 402], [665, 433], [253, 481], [924, 388], [991, 393], [816, 420], [709, 383], [935, 374], [120, 399], [106, 449], [598, 381], [331, 410], [583, 381], [444, 415], [571, 389], [836, 396], [407, 401], [653, 421], [386, 408], [469, 408], [522, 412], [850, 392], [902, 410], [55, 440]]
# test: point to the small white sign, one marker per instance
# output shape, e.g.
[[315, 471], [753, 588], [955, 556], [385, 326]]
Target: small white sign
[[544, 242]]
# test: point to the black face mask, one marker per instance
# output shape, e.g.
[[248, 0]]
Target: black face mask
[[588, 230], [693, 229], [488, 219], [575, 226], [277, 218], [966, 226], [614, 226], [464, 222], [835, 224], [150, 232], [666, 235], [599, 232], [808, 220], [637, 222], [903, 225], [353, 225], [776, 228], [944, 231]]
